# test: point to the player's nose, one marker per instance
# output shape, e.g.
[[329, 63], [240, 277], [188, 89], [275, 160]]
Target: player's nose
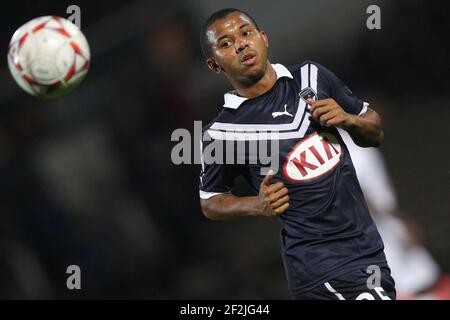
[[240, 44]]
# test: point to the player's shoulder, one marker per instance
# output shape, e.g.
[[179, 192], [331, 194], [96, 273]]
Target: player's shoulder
[[325, 74], [308, 63], [225, 115], [229, 112], [208, 125]]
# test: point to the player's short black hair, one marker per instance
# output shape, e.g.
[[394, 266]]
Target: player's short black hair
[[206, 47]]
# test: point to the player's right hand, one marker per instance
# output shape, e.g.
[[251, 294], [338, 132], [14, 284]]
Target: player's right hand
[[273, 197]]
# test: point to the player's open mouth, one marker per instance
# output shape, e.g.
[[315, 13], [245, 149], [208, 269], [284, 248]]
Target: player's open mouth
[[248, 59]]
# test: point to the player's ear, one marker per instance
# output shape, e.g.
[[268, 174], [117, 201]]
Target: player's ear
[[213, 65], [265, 38]]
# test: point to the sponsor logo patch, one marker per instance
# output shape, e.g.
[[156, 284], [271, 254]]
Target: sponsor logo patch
[[312, 157]]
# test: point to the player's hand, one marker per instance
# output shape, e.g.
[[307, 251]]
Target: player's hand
[[274, 199], [329, 113]]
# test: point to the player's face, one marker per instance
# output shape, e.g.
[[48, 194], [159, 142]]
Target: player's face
[[239, 49]]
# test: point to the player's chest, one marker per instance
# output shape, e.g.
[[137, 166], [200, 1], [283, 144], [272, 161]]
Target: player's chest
[[299, 160], [277, 107]]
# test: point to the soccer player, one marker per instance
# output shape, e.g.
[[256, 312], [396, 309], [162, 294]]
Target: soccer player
[[330, 246]]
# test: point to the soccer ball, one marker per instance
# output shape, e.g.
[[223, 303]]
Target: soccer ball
[[48, 56]]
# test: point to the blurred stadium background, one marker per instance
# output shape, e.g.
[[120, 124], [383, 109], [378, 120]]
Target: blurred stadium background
[[87, 179]]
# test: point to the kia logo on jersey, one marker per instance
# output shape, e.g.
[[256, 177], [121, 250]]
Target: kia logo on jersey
[[312, 157]]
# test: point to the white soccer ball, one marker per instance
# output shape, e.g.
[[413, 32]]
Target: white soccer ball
[[48, 56]]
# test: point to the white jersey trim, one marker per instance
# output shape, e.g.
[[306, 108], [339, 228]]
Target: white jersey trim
[[255, 127], [331, 289], [364, 109], [251, 130], [233, 101], [206, 195]]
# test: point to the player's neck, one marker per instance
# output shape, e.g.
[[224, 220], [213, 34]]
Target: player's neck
[[260, 87]]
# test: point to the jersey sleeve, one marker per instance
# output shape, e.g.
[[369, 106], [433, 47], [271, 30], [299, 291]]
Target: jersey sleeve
[[215, 178], [341, 93]]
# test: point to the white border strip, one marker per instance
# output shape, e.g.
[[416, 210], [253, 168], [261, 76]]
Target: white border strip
[[206, 195], [250, 135], [364, 109], [331, 289], [278, 127]]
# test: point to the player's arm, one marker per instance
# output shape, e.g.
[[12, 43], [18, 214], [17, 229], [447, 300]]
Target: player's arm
[[272, 200], [364, 129]]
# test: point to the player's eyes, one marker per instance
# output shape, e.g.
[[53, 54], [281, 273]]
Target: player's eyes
[[246, 33], [225, 44]]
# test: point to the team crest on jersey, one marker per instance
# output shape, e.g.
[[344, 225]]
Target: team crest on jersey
[[312, 157]]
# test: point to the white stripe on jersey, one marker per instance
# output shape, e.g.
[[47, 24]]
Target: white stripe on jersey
[[250, 135], [331, 289], [313, 81], [364, 109], [279, 127], [206, 195]]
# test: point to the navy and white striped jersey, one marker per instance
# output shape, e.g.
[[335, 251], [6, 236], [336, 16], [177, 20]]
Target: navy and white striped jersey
[[327, 230]]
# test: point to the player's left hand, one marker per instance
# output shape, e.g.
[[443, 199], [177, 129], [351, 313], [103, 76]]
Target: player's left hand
[[329, 113]]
